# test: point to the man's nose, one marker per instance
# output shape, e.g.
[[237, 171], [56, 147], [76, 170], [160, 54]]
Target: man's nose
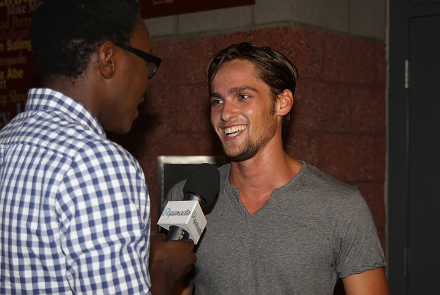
[[229, 111]]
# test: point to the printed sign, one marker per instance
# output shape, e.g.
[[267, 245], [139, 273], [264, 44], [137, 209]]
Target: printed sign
[[187, 215], [17, 72]]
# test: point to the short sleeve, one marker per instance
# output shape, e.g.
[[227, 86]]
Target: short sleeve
[[357, 245]]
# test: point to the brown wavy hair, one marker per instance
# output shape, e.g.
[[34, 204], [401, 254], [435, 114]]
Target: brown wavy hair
[[273, 68]]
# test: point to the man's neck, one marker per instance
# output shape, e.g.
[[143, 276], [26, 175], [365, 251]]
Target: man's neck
[[259, 176], [82, 90]]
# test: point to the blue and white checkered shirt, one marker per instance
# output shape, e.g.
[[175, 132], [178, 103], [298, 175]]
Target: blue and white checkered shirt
[[74, 206]]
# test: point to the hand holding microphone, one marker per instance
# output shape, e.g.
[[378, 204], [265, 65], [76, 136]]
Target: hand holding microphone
[[171, 258], [185, 219], [169, 262]]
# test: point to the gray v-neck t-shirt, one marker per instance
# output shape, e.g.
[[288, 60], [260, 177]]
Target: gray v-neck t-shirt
[[310, 232]]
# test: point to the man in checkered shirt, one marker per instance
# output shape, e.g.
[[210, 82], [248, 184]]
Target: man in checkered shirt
[[74, 206]]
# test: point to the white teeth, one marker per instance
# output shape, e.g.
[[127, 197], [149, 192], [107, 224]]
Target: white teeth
[[233, 131]]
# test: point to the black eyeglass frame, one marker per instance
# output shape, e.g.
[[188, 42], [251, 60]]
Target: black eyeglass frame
[[145, 56]]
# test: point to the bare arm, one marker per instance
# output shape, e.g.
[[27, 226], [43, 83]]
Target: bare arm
[[371, 282]]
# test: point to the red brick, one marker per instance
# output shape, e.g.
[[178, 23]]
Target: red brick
[[182, 143], [169, 73], [381, 74], [183, 61], [303, 47], [321, 106], [349, 157], [193, 109], [348, 59], [303, 146], [186, 48], [367, 109]]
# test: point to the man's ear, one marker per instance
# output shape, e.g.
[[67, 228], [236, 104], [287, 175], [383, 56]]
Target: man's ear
[[285, 102], [106, 59]]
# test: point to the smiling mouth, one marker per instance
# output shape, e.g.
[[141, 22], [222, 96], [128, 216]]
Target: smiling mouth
[[234, 131]]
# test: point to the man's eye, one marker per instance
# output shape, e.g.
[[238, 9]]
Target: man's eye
[[215, 102], [243, 96]]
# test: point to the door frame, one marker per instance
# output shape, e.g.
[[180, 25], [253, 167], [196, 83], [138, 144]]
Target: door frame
[[400, 13]]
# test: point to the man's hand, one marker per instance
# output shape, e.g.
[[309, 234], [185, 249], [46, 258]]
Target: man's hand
[[170, 261]]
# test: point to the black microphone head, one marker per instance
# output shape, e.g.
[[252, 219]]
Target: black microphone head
[[204, 181]]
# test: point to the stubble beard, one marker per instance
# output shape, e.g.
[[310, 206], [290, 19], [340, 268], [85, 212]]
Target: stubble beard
[[249, 151]]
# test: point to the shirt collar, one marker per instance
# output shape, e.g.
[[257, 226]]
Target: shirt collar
[[51, 100]]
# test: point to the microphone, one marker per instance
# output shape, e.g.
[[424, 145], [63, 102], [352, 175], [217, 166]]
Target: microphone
[[185, 219]]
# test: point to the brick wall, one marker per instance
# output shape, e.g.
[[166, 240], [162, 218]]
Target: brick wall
[[339, 115]]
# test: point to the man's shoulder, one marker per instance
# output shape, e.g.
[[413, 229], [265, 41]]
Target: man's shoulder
[[60, 135], [102, 146], [317, 187], [315, 178]]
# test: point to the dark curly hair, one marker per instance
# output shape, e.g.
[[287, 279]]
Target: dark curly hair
[[273, 68], [66, 32]]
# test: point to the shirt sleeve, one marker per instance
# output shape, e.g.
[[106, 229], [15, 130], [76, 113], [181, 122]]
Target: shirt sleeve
[[104, 214], [357, 243]]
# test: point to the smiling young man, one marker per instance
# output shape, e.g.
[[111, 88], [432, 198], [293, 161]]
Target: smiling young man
[[75, 209], [279, 226]]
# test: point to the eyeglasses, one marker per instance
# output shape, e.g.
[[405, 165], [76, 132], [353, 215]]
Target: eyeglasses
[[151, 61]]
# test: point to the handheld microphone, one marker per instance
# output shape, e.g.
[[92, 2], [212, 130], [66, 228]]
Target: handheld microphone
[[185, 219]]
